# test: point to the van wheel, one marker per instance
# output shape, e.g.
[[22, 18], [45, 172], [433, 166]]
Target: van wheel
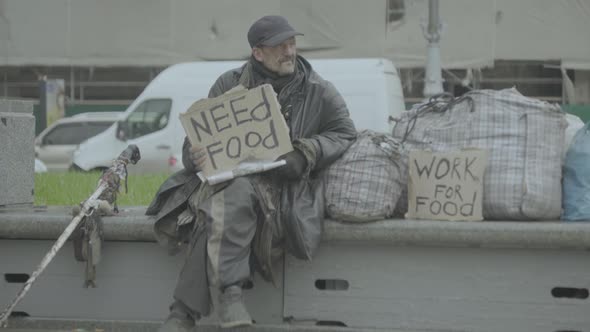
[[99, 169], [75, 168]]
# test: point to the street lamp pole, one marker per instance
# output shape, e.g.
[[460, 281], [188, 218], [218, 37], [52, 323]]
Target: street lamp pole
[[433, 77]]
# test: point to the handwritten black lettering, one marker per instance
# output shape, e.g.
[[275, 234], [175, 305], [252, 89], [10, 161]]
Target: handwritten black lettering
[[420, 200], [237, 147], [467, 209], [257, 138], [425, 169], [204, 127], [447, 196], [439, 189], [456, 162], [271, 141], [467, 171], [211, 152], [216, 119], [264, 105], [450, 208], [442, 161], [449, 193], [436, 210], [458, 192], [237, 112]]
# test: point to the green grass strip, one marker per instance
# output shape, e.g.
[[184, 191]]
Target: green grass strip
[[71, 188]]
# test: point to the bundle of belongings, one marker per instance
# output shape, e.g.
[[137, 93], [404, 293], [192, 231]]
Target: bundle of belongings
[[576, 178], [367, 181], [524, 138]]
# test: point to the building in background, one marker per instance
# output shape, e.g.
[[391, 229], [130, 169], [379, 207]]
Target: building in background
[[107, 51]]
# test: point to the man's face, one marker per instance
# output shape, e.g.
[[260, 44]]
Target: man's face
[[279, 59]]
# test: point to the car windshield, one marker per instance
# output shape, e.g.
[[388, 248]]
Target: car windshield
[[150, 116], [74, 133]]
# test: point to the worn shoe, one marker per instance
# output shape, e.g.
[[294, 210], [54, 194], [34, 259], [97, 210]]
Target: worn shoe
[[177, 324], [232, 312], [179, 319]]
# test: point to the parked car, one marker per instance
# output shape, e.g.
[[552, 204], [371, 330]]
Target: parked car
[[370, 87], [55, 145], [40, 166]]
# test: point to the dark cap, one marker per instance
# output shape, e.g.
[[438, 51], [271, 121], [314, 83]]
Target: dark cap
[[270, 31]]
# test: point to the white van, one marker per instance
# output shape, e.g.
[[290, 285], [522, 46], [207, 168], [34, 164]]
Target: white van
[[370, 87]]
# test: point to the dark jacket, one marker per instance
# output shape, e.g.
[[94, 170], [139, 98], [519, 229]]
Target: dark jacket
[[320, 127]]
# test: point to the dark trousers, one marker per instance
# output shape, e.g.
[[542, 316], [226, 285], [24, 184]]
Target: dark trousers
[[220, 247]]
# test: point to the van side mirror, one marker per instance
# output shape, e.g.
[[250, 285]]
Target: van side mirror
[[121, 132]]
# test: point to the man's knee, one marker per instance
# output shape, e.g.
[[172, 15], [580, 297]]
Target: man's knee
[[237, 201]]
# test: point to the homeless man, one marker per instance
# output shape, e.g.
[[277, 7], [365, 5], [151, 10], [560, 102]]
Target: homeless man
[[233, 226]]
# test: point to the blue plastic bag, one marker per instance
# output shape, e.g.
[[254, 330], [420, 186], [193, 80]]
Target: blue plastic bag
[[576, 178]]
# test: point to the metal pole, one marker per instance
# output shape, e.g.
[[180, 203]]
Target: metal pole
[[42, 122], [433, 79], [433, 20], [5, 85], [72, 85]]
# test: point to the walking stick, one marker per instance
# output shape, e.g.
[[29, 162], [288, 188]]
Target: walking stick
[[108, 186]]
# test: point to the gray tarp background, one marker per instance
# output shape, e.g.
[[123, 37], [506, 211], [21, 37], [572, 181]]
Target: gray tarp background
[[162, 32]]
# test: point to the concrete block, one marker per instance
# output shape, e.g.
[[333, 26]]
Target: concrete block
[[17, 152], [135, 282], [440, 288]]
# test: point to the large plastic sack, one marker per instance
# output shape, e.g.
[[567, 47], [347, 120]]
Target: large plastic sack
[[574, 124], [524, 138], [576, 178], [366, 182]]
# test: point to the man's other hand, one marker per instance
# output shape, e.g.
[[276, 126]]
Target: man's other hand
[[198, 157], [296, 164]]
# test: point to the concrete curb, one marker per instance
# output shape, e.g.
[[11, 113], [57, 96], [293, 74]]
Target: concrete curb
[[19, 325], [132, 225]]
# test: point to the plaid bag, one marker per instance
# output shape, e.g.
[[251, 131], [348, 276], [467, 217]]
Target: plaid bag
[[524, 137], [366, 182]]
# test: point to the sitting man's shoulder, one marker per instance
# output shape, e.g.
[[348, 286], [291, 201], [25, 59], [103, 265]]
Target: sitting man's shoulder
[[225, 82]]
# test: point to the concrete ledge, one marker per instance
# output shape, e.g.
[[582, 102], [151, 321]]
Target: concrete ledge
[[44, 223], [18, 325], [132, 225]]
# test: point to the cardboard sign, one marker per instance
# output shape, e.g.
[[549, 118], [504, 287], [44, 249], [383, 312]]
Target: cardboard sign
[[241, 125], [446, 186]]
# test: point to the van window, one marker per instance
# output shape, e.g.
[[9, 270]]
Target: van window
[[150, 116], [74, 133]]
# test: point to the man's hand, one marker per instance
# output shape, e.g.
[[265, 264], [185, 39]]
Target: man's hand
[[296, 165], [198, 157]]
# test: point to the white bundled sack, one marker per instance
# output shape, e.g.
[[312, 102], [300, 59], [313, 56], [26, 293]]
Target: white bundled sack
[[366, 182], [524, 137]]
